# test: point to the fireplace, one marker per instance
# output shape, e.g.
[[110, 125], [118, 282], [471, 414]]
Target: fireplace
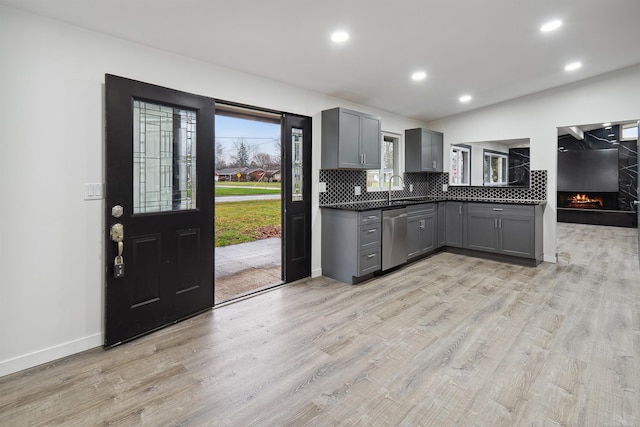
[[591, 207], [587, 200]]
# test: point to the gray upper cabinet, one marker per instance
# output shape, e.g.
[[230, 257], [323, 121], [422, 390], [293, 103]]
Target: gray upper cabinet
[[350, 140], [423, 150]]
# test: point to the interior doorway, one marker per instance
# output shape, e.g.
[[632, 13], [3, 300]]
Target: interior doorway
[[248, 201]]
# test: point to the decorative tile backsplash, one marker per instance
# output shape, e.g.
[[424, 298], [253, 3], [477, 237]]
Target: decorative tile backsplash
[[341, 184]]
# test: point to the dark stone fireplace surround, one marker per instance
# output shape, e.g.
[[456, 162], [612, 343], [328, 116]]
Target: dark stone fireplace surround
[[618, 208]]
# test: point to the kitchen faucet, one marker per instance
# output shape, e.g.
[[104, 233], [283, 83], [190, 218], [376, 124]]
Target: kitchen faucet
[[391, 181]]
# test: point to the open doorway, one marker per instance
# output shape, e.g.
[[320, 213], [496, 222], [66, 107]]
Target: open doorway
[[248, 204]]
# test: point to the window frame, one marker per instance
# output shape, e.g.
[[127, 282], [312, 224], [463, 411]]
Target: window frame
[[467, 167], [500, 155], [629, 126], [398, 167]]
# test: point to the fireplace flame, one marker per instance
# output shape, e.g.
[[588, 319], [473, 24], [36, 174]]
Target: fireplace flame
[[581, 200]]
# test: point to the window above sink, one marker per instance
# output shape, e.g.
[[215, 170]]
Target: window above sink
[[391, 162]]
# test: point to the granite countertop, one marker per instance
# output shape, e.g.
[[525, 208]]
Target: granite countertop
[[385, 204]]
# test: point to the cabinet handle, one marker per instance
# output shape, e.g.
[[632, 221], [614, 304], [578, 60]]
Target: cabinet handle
[[371, 231], [495, 223], [500, 223], [371, 256], [372, 217], [460, 210], [422, 224], [498, 209]]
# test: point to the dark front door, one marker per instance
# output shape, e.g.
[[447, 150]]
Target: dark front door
[[296, 203], [159, 177]]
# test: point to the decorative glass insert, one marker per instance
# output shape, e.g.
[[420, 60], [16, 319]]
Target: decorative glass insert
[[164, 158], [296, 165]]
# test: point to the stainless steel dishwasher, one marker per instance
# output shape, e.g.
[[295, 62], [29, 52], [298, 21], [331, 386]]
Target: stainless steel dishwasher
[[394, 237]]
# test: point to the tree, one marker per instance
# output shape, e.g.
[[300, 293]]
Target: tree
[[243, 153], [264, 161], [221, 162]]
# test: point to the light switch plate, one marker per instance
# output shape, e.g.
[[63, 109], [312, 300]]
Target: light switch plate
[[357, 190], [93, 191], [445, 187], [322, 187]]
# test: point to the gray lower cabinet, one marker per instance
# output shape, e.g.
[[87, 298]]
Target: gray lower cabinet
[[350, 140], [442, 222], [505, 229], [422, 229], [454, 224], [351, 244]]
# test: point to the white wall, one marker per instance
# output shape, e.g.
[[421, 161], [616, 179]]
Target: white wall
[[51, 116], [609, 98]]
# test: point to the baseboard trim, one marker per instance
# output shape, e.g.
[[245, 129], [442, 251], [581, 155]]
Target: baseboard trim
[[50, 354], [316, 272]]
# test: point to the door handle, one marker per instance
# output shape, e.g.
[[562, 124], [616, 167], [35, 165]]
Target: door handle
[[117, 235], [636, 202]]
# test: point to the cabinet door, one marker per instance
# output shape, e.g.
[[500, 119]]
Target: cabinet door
[[517, 235], [426, 152], [482, 230], [370, 144], [453, 224], [428, 233], [350, 134], [437, 141], [413, 236]]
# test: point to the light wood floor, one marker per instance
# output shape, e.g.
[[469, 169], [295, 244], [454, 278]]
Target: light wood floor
[[450, 340]]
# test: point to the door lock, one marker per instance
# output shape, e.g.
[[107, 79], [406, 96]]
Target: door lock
[[117, 235]]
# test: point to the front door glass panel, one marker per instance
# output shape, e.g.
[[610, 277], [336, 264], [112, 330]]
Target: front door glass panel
[[164, 158], [296, 165]]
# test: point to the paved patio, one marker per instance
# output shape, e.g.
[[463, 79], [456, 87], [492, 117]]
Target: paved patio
[[246, 267]]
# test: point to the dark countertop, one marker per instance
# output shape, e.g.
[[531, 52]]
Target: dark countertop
[[384, 204]]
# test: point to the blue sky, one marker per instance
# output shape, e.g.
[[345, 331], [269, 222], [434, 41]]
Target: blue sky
[[263, 136]]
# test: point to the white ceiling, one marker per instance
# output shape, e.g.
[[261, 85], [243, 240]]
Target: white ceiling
[[490, 49]]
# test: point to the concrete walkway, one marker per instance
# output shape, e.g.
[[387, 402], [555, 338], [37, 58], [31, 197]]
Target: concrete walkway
[[223, 199], [230, 260]]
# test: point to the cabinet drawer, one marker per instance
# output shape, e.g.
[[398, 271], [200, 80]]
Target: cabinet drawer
[[369, 261], [370, 235], [369, 217], [501, 209]]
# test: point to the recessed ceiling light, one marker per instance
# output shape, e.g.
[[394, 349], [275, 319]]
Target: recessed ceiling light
[[465, 98], [604, 125], [573, 66], [551, 26], [419, 75], [340, 36]]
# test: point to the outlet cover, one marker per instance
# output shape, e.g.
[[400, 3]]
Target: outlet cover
[[410, 188], [445, 187], [357, 190], [322, 187]]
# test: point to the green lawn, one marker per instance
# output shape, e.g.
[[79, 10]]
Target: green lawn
[[241, 191], [239, 222], [248, 184]]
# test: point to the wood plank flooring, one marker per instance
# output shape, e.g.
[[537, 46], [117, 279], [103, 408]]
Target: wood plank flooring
[[447, 341]]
